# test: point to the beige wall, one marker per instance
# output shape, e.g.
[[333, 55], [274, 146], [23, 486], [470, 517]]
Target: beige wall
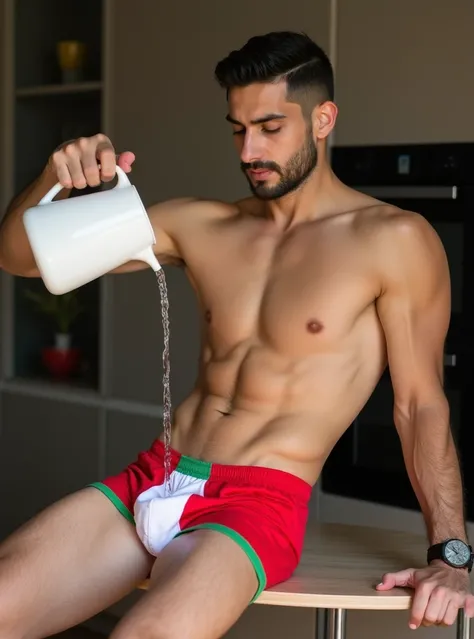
[[397, 80], [404, 71]]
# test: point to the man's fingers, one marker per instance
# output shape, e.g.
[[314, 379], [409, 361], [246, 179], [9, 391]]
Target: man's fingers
[[73, 162], [64, 177], [125, 161], [469, 606], [436, 607], [402, 579], [90, 167], [105, 154], [108, 160], [88, 161], [442, 611], [451, 613], [419, 605]]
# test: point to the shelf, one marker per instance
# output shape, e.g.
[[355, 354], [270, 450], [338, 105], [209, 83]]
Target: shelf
[[35, 330], [63, 392], [58, 89], [50, 389]]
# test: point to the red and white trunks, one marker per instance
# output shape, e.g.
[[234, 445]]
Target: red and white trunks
[[263, 510]]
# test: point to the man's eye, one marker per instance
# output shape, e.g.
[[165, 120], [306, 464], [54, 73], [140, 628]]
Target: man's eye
[[239, 132], [271, 130]]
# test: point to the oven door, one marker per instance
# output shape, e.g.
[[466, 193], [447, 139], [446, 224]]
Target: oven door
[[367, 461]]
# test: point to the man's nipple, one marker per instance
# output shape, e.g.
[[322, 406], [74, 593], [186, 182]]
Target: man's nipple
[[313, 326], [208, 316]]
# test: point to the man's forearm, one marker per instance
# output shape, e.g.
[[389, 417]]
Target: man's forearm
[[433, 468], [15, 253]]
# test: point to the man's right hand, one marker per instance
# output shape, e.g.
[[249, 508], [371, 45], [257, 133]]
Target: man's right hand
[[88, 162]]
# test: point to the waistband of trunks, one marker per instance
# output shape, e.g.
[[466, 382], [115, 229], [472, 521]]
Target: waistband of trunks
[[257, 476]]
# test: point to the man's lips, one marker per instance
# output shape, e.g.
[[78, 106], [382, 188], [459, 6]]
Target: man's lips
[[260, 174]]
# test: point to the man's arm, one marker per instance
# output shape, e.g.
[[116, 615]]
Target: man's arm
[[77, 164], [16, 256], [414, 309]]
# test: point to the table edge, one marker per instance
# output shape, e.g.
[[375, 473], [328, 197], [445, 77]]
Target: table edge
[[344, 602]]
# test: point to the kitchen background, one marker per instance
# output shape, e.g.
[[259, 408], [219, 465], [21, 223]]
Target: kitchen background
[[403, 77]]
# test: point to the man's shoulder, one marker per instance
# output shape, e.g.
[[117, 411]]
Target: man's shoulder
[[246, 207], [191, 209], [402, 243], [399, 227], [380, 216], [207, 206]]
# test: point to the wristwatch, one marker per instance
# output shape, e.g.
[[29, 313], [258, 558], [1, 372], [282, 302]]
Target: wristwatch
[[454, 552]]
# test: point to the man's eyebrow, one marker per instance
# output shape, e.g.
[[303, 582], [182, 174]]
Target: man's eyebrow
[[265, 118]]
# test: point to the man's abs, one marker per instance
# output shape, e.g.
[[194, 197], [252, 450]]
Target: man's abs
[[260, 408]]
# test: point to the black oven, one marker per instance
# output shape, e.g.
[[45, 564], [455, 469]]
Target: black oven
[[436, 180]]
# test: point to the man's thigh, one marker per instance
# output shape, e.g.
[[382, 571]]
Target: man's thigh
[[200, 585], [68, 563]]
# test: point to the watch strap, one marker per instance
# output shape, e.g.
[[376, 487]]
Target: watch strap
[[435, 552]]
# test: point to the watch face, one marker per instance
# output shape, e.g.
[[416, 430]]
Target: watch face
[[457, 552]]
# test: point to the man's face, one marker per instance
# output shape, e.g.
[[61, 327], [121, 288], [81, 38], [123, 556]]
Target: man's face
[[274, 140]]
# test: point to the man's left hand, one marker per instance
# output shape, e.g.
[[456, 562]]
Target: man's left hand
[[440, 591]]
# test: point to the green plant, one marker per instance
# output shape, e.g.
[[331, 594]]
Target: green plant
[[64, 309]]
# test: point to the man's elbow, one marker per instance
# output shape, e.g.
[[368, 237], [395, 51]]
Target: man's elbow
[[421, 408]]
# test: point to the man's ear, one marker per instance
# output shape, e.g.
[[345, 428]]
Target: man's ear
[[324, 119]]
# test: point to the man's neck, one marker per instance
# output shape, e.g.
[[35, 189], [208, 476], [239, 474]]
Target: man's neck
[[312, 200]]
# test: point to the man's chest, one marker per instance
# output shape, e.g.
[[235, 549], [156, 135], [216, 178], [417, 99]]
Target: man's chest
[[299, 296]]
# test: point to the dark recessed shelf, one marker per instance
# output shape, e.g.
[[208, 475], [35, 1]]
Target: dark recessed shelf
[[35, 331], [55, 90], [55, 389]]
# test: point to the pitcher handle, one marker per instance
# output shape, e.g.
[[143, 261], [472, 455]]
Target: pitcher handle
[[122, 182]]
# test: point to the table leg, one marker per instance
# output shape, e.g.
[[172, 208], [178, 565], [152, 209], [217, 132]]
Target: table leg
[[335, 627], [463, 626], [321, 624]]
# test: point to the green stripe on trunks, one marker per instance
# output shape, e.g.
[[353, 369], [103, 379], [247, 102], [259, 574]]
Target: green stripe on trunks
[[194, 467], [117, 502]]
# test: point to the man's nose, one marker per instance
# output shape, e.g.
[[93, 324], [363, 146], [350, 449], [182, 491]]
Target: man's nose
[[251, 149]]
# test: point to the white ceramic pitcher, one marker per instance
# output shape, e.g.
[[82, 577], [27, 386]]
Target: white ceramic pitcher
[[77, 240]]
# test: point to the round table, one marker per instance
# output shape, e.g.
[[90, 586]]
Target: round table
[[338, 572], [340, 568]]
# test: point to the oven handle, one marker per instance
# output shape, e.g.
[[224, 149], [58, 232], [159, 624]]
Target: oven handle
[[408, 192], [450, 360]]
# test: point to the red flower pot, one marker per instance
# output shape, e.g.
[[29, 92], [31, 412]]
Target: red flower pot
[[61, 363]]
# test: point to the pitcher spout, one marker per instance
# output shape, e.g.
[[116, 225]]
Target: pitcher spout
[[149, 257]]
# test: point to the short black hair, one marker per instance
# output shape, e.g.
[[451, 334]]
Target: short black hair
[[276, 56]]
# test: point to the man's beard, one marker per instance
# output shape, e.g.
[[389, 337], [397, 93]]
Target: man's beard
[[297, 170]]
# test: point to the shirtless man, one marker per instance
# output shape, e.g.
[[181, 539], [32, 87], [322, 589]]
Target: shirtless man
[[307, 288]]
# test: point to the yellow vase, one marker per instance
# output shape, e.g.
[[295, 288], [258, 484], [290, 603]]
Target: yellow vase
[[71, 54]]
